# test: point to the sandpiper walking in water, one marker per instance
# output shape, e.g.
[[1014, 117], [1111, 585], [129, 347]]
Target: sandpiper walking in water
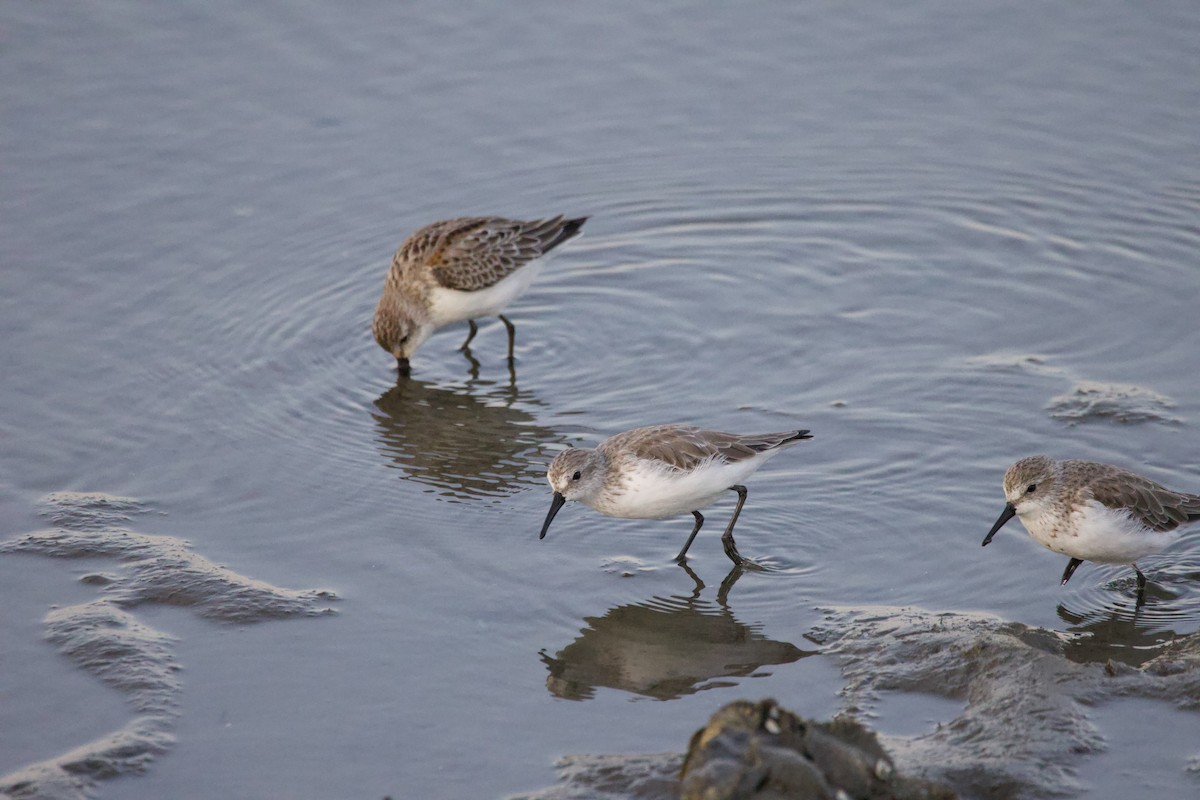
[[461, 269], [661, 471], [1093, 512]]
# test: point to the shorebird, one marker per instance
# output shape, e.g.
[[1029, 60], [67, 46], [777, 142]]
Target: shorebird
[[461, 269], [664, 470], [1093, 512]]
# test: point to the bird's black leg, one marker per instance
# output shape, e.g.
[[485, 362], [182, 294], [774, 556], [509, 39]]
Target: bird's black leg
[[512, 335], [1070, 570], [474, 330], [1141, 584], [679, 559], [1141, 588], [727, 537]]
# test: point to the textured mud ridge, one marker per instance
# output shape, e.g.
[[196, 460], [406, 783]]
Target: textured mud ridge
[[1087, 400], [1025, 727], [1118, 402], [105, 639], [1024, 730]]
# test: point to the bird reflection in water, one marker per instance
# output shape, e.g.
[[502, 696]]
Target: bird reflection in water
[[463, 441], [1127, 631], [1105, 625], [665, 648]]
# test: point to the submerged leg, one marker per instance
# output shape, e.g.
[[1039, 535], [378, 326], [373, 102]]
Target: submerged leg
[[727, 537], [1141, 589], [471, 335], [512, 335], [474, 362], [1141, 584], [679, 559], [1070, 570]]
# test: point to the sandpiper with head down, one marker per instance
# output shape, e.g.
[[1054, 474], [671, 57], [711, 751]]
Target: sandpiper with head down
[[1093, 512], [461, 269], [664, 470]]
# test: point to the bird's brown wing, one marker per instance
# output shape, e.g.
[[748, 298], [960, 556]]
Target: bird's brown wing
[[474, 253], [1156, 506], [684, 447]]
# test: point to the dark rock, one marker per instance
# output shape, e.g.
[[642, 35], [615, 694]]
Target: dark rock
[[762, 751]]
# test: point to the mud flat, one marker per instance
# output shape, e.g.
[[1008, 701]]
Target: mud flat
[[1024, 729], [105, 638]]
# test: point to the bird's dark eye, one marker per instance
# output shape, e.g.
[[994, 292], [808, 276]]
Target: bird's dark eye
[[577, 475], [403, 339], [1031, 488]]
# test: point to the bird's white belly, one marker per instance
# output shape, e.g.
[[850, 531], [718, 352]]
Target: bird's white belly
[[452, 305], [654, 492], [1095, 532]]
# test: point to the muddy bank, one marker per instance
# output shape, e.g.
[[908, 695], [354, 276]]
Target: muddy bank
[[1024, 728], [1086, 400], [104, 637], [1117, 402]]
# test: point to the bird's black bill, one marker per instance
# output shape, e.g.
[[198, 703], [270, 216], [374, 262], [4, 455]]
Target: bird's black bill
[[1008, 513], [555, 505]]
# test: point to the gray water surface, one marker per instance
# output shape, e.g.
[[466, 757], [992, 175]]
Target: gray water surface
[[940, 237]]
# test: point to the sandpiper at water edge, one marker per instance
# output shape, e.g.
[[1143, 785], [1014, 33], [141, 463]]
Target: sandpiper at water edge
[[461, 269], [1093, 512], [662, 471]]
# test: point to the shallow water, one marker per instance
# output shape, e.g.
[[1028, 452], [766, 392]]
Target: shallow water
[[941, 238]]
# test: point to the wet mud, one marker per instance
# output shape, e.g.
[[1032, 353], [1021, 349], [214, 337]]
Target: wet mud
[[1085, 400], [1114, 402], [104, 638], [1025, 727]]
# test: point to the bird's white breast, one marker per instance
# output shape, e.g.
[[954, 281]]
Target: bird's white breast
[[652, 490], [452, 305], [1095, 532]]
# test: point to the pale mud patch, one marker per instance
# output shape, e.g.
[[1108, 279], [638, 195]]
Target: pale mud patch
[[1031, 363], [106, 640], [1086, 400], [1117, 402], [89, 511], [648, 776]]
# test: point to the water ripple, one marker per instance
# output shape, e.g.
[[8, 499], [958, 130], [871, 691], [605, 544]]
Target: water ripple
[[1105, 621]]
